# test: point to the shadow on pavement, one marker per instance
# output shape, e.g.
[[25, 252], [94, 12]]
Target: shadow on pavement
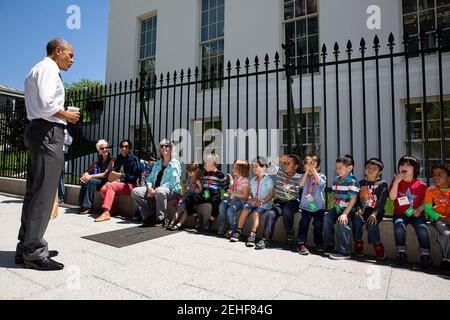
[[7, 260]]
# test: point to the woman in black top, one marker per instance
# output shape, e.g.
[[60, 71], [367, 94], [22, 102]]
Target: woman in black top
[[95, 177]]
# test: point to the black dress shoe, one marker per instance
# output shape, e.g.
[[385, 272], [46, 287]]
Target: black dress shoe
[[51, 254], [45, 264]]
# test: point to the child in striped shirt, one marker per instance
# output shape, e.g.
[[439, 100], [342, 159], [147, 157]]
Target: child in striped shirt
[[214, 181], [345, 192], [287, 194]]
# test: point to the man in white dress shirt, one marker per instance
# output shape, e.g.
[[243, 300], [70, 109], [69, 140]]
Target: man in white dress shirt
[[44, 138]]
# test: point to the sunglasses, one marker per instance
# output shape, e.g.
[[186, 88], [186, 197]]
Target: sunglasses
[[104, 148], [165, 146], [124, 147]]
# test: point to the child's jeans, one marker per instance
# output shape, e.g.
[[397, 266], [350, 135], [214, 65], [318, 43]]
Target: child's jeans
[[343, 230], [287, 209], [303, 226], [373, 231], [230, 207], [420, 226]]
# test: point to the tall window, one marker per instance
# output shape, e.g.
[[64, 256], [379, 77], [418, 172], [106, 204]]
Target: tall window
[[199, 131], [309, 134], [434, 132], [212, 38], [425, 15], [147, 55], [301, 25]]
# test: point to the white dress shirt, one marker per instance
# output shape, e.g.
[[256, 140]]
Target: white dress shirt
[[44, 92]]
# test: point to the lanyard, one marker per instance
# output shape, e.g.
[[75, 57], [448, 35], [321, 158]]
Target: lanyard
[[257, 188], [236, 184], [337, 197], [313, 186]]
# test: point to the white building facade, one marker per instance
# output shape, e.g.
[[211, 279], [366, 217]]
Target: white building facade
[[166, 36]]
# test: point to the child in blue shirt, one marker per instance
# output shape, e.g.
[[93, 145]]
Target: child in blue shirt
[[312, 203]]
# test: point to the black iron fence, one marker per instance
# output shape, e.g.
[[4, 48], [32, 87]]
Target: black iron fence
[[379, 100]]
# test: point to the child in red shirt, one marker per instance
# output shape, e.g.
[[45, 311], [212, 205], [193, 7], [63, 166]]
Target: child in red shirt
[[408, 194]]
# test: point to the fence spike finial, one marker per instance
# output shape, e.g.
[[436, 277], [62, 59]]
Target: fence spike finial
[[349, 47]]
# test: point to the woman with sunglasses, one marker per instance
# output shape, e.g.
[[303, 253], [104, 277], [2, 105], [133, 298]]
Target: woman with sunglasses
[[162, 186], [95, 177], [121, 180]]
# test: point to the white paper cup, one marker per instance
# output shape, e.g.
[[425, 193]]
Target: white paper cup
[[73, 109]]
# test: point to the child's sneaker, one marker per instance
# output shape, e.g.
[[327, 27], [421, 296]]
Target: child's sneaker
[[290, 237], [359, 248], [221, 230], [198, 220], [445, 265], [401, 258], [235, 236], [262, 244], [425, 261], [302, 249], [328, 250], [229, 234], [379, 251], [339, 256], [251, 240]]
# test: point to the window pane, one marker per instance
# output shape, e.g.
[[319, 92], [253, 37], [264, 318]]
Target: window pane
[[288, 11], [214, 46], [220, 29], [443, 17], [426, 4], [148, 37], [220, 49], [313, 26], [442, 2], [301, 28], [410, 24], [205, 51], [142, 38], [144, 26], [300, 8], [213, 16], [221, 14], [212, 31], [301, 46], [204, 33], [205, 5], [409, 6], [142, 55], [213, 3], [289, 31], [427, 21], [311, 6], [205, 18], [220, 2], [313, 42]]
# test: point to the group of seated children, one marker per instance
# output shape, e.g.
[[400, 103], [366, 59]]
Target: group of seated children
[[359, 203]]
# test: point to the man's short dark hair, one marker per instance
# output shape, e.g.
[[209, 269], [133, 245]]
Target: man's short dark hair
[[57, 43], [443, 166], [346, 160], [412, 161], [375, 162]]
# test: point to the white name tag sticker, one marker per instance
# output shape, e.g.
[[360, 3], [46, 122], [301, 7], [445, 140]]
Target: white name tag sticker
[[403, 201]]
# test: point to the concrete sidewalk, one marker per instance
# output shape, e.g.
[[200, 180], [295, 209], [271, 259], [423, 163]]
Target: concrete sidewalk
[[186, 266]]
